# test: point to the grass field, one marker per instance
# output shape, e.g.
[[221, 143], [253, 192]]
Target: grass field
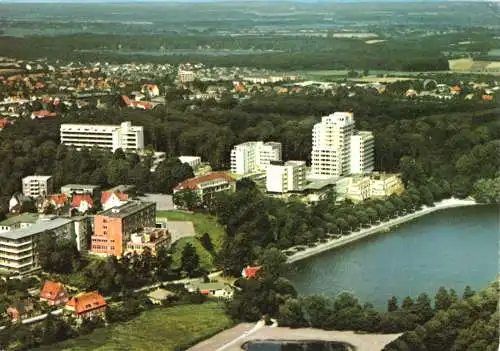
[[202, 224], [158, 329]]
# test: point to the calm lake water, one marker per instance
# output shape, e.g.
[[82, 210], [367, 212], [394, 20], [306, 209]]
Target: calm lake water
[[451, 248]]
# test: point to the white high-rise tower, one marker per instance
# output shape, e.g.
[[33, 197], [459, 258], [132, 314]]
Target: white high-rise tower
[[331, 147]]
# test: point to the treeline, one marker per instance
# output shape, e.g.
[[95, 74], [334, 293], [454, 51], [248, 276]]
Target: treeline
[[467, 324], [254, 221], [290, 53]]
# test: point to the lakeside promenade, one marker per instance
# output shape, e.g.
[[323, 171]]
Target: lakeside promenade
[[365, 232]]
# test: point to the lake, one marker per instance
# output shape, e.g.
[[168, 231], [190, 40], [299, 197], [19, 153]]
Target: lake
[[452, 248]]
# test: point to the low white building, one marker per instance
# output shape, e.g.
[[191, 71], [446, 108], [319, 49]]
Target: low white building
[[286, 177], [112, 137], [193, 161], [254, 156], [37, 185]]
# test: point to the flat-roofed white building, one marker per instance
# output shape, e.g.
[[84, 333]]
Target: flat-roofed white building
[[18, 252], [112, 137], [193, 161], [254, 156], [286, 177], [331, 139], [37, 185], [362, 153]]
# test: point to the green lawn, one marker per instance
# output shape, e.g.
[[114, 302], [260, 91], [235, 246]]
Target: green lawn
[[157, 329], [202, 224]]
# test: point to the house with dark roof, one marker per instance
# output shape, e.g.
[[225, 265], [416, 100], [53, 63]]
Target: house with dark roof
[[54, 293]]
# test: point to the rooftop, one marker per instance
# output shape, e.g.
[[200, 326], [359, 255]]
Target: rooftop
[[126, 209], [193, 183], [22, 218], [37, 177], [81, 186], [39, 226]]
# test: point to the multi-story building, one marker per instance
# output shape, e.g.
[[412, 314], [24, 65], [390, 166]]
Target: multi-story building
[[113, 227], [37, 185], [383, 184], [206, 186], [79, 189], [186, 76], [193, 161], [254, 156], [331, 139], [18, 253], [286, 177], [151, 238], [111, 137], [362, 153]]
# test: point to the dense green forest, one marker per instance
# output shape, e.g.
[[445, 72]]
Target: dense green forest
[[283, 53], [423, 139]]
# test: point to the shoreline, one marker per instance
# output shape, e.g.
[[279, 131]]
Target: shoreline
[[365, 232]]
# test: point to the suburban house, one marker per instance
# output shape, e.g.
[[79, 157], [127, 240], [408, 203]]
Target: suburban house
[[206, 186], [20, 310], [212, 289], [20, 203], [250, 272], [152, 238], [82, 203], [110, 199], [58, 200], [87, 305], [54, 293]]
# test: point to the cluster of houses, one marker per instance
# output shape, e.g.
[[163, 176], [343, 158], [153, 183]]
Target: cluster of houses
[[91, 304], [81, 306]]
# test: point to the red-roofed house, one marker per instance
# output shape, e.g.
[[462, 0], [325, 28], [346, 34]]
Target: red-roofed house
[[3, 123], [151, 90], [110, 199], [82, 203], [250, 272], [54, 293], [42, 114], [58, 200], [207, 185], [87, 305]]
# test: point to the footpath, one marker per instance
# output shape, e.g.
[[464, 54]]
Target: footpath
[[384, 226]]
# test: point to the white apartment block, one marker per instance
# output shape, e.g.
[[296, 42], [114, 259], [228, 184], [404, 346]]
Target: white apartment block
[[286, 177], [362, 153], [193, 161], [18, 252], [186, 76], [331, 139], [254, 156], [37, 185], [112, 137]]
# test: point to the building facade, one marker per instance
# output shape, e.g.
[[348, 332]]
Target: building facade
[[331, 139], [111, 137], [79, 189], [208, 185], [151, 238], [286, 177], [362, 153], [18, 253], [113, 228], [384, 184], [37, 185], [254, 156], [193, 161]]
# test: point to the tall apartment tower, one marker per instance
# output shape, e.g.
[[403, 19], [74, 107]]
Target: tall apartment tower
[[362, 153], [254, 156], [331, 149]]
